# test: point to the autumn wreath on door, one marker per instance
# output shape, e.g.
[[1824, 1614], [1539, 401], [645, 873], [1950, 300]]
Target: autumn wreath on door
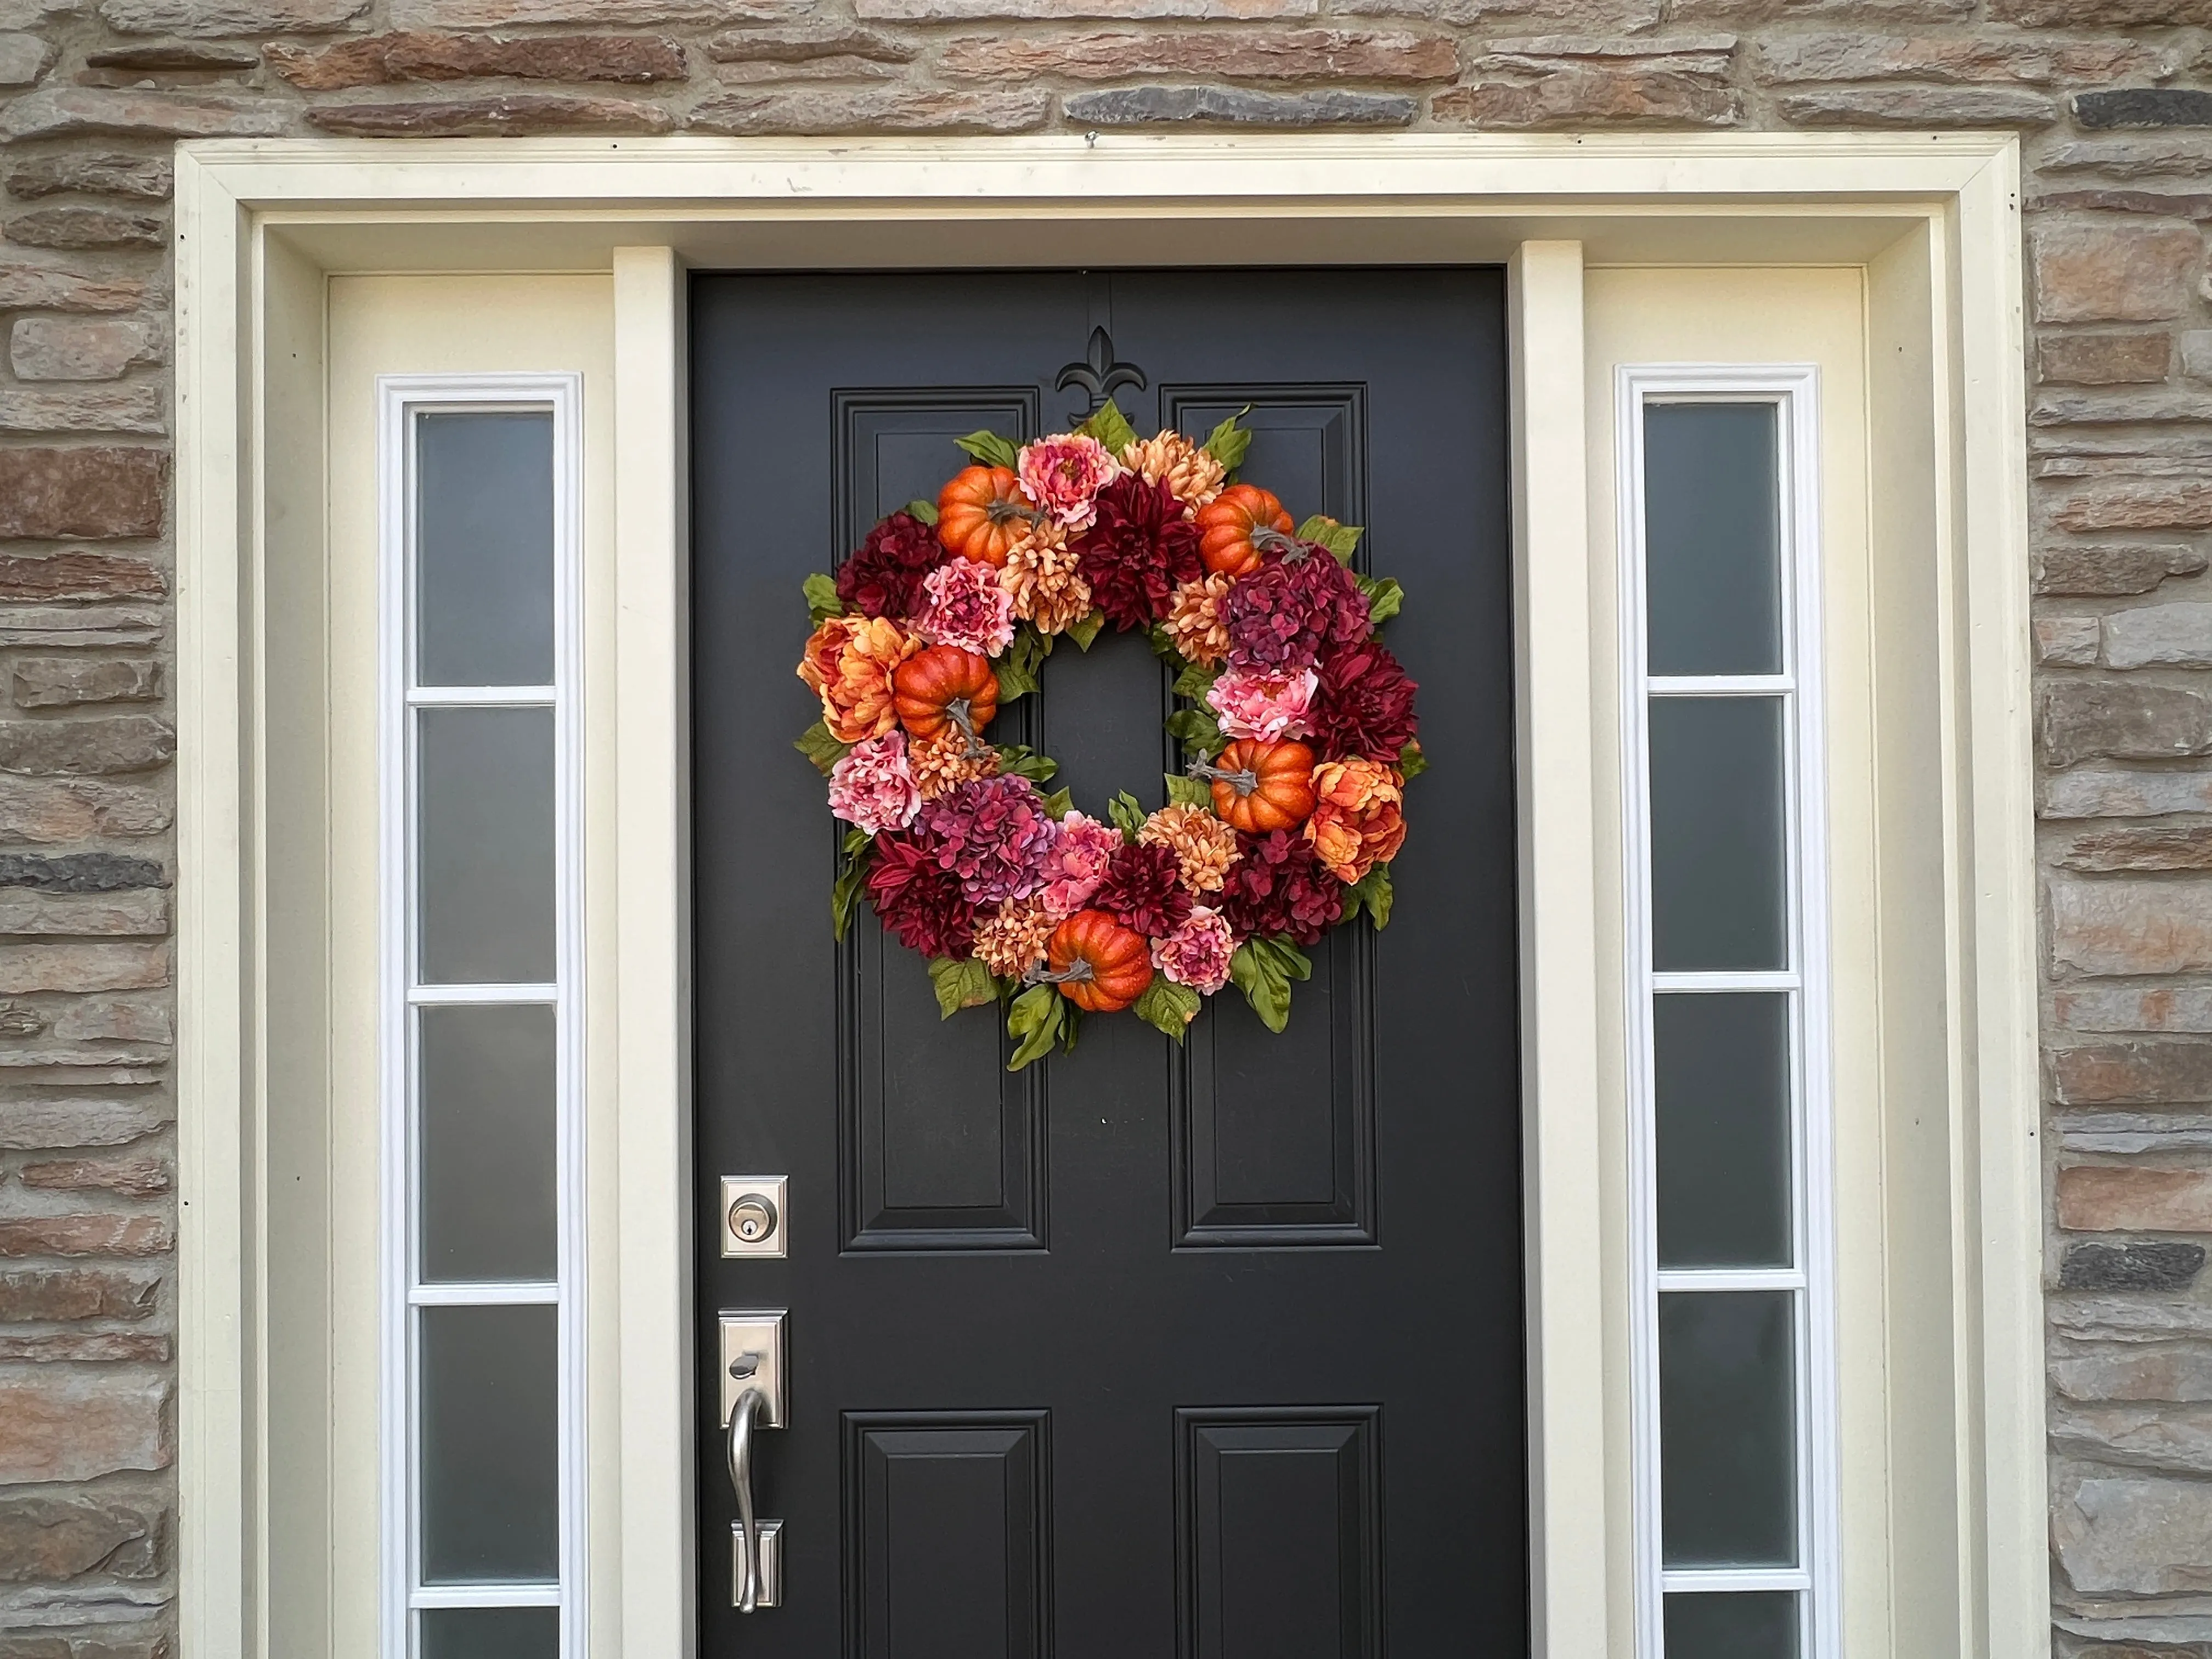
[[1299, 722]]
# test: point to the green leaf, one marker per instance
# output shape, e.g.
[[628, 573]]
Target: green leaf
[[845, 895], [1071, 1026], [1168, 1006], [1229, 442], [819, 746], [1188, 792], [961, 983], [1019, 760], [1128, 812], [1110, 426], [1084, 629], [924, 511], [1385, 598], [1371, 893], [1059, 803], [1254, 971], [1035, 1021], [1293, 962], [1195, 682], [1197, 730], [1163, 644], [1340, 539], [1014, 680], [822, 600], [1411, 762], [988, 448]]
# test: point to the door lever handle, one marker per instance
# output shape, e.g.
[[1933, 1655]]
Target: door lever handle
[[740, 1449]]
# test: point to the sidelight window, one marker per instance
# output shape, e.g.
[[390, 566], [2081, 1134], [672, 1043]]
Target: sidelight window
[[1731, 1315], [481, 1454]]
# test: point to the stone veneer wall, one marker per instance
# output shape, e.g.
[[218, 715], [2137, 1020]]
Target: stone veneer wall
[[2109, 96]]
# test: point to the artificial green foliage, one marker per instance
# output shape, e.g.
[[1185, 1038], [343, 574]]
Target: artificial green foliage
[[990, 449], [966, 983], [819, 746], [822, 600], [1168, 1006]]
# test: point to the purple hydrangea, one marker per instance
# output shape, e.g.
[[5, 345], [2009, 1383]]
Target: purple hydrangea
[[994, 835], [1292, 610]]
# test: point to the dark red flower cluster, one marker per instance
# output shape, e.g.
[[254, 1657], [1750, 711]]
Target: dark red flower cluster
[[1292, 610], [1280, 887], [1143, 890], [1363, 706], [916, 900], [1137, 548], [884, 578]]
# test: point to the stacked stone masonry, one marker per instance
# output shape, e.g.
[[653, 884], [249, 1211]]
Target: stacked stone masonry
[[2112, 100]]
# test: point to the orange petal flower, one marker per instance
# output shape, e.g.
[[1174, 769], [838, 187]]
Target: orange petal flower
[[848, 664], [1359, 821]]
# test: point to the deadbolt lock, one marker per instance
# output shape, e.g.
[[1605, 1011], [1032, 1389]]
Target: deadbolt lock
[[753, 1218]]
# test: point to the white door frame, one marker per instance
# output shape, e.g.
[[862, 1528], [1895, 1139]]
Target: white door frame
[[260, 224]]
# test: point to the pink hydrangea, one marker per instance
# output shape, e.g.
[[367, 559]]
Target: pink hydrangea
[[872, 786], [1063, 476], [1265, 703], [967, 608], [1197, 953], [1077, 863], [994, 835]]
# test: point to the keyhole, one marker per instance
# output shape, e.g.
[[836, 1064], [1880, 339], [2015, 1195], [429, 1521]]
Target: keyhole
[[752, 1218]]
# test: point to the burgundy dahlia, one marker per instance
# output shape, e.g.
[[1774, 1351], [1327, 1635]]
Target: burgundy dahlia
[[917, 900], [1292, 610], [1363, 706], [1144, 890], [1280, 887], [994, 835], [1137, 549], [884, 578]]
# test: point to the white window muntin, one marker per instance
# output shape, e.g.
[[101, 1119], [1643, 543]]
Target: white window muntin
[[402, 400], [1793, 391]]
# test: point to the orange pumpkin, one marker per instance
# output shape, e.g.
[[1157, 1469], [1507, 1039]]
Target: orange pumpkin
[[982, 513], [942, 686], [1258, 787], [1235, 526], [1106, 965]]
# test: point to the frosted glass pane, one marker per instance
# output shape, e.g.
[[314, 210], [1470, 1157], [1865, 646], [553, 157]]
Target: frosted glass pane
[[1717, 820], [1723, 1129], [485, 801], [1712, 539], [487, 1166], [490, 1485], [491, 1633], [1741, 1624], [483, 581], [1727, 1443]]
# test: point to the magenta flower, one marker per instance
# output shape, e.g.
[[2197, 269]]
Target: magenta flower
[[1197, 953], [1262, 703], [1077, 863], [872, 787], [994, 835], [1063, 476], [967, 608]]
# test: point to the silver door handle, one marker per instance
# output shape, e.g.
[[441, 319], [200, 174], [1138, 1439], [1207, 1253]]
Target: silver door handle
[[741, 1478]]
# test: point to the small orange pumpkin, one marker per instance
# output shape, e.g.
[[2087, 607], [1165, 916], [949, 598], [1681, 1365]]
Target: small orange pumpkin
[[981, 513], [1235, 526], [1258, 787], [1108, 965], [942, 686]]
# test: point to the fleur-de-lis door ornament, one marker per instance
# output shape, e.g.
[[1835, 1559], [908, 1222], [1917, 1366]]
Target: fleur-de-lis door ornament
[[1100, 375]]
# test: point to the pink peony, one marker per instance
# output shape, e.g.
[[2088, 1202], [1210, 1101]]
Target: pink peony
[[1063, 475], [1077, 863], [994, 835], [967, 608], [1262, 703], [1197, 953], [872, 787]]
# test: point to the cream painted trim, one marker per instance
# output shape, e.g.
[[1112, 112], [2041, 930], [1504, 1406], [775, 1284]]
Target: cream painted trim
[[569, 204]]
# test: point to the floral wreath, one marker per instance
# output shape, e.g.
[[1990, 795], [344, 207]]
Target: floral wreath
[[1298, 721]]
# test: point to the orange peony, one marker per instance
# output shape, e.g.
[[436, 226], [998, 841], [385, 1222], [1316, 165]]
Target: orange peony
[[1360, 820], [848, 663]]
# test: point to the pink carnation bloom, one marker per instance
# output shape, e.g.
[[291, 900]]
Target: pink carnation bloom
[[1265, 703], [1077, 863], [967, 608], [872, 787], [1063, 476], [1197, 953]]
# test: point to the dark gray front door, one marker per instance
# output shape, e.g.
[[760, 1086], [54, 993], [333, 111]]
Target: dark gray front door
[[1143, 1353]]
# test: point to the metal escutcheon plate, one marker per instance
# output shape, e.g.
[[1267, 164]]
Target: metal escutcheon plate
[[758, 1332], [771, 1562], [776, 1190]]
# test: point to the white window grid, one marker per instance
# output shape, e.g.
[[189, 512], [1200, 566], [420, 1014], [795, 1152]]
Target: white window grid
[[1793, 389], [401, 399]]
